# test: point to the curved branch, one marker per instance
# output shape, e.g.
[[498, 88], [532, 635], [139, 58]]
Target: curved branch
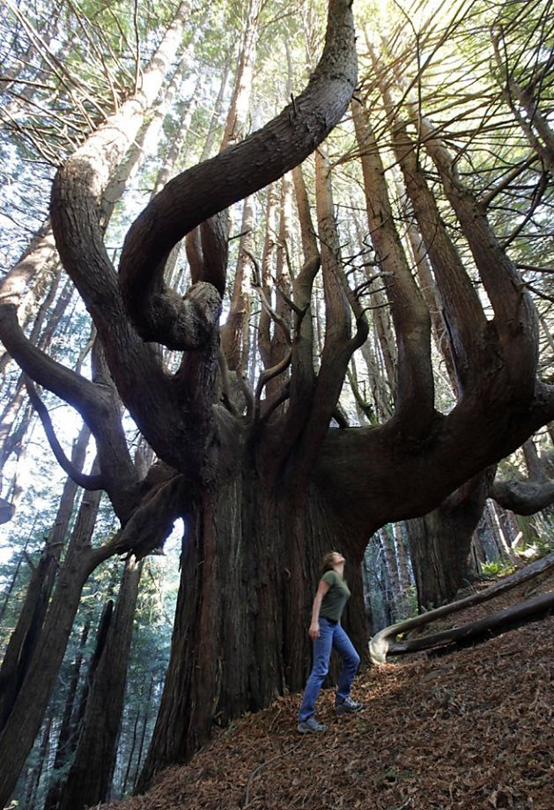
[[271, 404], [78, 221], [195, 195], [65, 383], [360, 472], [415, 386], [381, 643], [266, 376], [93, 401], [523, 497], [504, 620], [90, 482]]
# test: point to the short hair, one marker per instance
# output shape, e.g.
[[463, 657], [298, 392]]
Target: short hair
[[328, 561]]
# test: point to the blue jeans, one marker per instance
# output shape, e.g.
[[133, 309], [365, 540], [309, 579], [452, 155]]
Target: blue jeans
[[331, 636]]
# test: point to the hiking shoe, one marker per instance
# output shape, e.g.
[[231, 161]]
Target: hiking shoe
[[311, 726], [348, 706]]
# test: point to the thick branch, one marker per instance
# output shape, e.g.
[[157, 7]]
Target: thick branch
[[372, 476], [339, 345], [193, 196], [415, 393], [515, 315], [77, 196], [73, 388], [152, 521], [461, 307], [94, 402], [523, 497]]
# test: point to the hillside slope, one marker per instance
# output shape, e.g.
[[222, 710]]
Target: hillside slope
[[468, 730]]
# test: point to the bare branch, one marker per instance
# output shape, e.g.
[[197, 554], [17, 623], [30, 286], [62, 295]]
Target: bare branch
[[380, 643], [90, 482]]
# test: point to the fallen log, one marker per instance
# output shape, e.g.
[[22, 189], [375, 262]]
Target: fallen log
[[531, 609], [382, 643]]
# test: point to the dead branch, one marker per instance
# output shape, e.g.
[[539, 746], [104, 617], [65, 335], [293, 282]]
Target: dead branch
[[505, 619], [380, 644]]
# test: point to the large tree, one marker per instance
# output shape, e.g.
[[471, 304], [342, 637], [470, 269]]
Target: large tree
[[262, 480]]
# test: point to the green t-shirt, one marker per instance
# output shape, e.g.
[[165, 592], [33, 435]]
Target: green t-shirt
[[336, 597]]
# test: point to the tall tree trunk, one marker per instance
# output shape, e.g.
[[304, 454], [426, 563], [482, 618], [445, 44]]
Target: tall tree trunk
[[33, 779], [440, 543], [66, 735], [403, 572], [26, 634], [243, 609], [8, 591], [142, 743], [392, 572], [91, 773], [28, 711], [130, 752]]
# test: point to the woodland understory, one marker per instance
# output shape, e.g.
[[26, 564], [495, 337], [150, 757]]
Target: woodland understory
[[277, 280], [465, 730]]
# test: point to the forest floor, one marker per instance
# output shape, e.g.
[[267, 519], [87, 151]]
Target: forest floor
[[471, 730]]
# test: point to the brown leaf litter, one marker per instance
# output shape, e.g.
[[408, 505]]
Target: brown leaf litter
[[470, 730]]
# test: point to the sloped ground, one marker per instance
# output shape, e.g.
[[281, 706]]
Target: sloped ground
[[471, 730]]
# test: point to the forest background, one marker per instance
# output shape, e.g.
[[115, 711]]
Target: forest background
[[398, 285]]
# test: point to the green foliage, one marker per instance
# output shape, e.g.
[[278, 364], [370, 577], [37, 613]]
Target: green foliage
[[497, 568]]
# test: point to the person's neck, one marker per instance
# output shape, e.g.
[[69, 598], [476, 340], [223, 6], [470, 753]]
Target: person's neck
[[339, 569]]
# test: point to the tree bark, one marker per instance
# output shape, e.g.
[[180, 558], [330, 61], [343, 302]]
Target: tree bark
[[440, 543], [26, 634], [91, 773], [240, 634], [66, 735]]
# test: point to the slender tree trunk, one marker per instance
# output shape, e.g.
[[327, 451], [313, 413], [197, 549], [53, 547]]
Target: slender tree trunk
[[392, 573], [501, 535], [130, 752], [65, 745], [11, 586], [19, 733], [401, 556], [234, 334], [33, 780], [145, 720], [25, 637], [100, 640], [91, 773]]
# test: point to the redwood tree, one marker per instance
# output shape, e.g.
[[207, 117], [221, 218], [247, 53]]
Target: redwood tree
[[264, 484]]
